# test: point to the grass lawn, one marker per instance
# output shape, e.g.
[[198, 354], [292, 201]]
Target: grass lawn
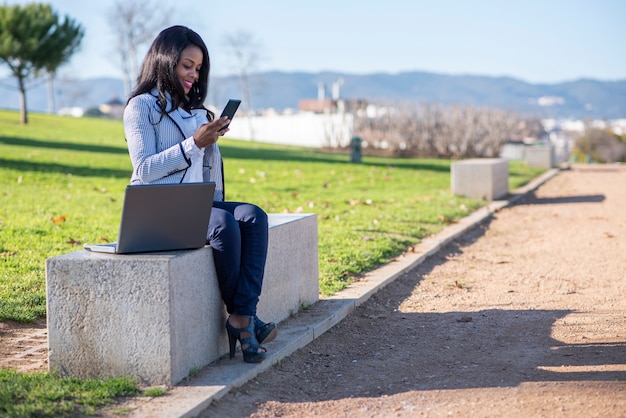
[[62, 182], [46, 395]]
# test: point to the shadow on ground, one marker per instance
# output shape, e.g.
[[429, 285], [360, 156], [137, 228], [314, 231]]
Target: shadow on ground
[[532, 199], [381, 350]]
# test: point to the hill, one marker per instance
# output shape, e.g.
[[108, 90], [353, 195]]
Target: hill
[[579, 99]]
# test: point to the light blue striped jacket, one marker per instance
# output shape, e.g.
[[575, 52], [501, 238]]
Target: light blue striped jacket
[[155, 148]]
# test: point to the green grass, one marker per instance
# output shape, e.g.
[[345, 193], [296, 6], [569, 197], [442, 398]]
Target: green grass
[[62, 182], [44, 395]]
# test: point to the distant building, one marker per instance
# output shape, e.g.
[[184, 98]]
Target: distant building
[[332, 105], [317, 105], [77, 112], [113, 109]]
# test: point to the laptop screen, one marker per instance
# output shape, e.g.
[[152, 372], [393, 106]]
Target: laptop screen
[[163, 217]]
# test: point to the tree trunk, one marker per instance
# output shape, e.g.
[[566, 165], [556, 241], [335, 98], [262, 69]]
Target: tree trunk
[[51, 101], [127, 84], [23, 112]]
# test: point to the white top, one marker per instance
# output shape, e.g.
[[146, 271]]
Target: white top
[[195, 154]]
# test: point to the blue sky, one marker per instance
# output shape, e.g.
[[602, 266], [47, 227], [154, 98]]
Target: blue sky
[[537, 41]]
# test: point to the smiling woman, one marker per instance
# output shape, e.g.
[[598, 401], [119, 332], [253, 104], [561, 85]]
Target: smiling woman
[[188, 68], [172, 138]]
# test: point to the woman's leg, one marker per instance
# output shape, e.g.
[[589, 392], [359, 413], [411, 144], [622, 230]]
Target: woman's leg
[[238, 235], [225, 240]]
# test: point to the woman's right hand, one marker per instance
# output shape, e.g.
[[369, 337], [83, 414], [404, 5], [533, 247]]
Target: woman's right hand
[[208, 133]]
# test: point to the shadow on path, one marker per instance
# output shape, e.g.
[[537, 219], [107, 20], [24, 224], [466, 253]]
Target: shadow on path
[[532, 199], [420, 351]]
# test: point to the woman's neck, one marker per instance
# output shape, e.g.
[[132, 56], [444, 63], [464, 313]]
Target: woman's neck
[[184, 104]]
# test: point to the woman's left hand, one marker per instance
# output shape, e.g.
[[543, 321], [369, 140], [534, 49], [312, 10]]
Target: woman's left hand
[[208, 133]]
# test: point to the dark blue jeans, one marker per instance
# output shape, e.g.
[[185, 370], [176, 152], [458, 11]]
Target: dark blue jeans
[[238, 235]]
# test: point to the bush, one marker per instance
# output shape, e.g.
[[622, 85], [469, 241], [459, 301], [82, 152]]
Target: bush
[[601, 145], [438, 131]]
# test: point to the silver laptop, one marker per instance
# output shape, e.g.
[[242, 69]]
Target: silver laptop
[[162, 217]]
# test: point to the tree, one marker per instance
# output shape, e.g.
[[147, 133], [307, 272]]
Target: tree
[[601, 145], [435, 130], [63, 43], [245, 50], [135, 23], [34, 40]]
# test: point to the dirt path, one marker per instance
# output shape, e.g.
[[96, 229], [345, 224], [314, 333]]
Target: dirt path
[[24, 347], [524, 315]]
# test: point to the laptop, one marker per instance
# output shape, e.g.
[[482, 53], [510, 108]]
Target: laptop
[[162, 217]]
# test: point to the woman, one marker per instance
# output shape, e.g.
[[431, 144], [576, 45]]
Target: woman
[[172, 138]]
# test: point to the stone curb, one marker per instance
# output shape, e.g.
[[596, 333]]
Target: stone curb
[[191, 397]]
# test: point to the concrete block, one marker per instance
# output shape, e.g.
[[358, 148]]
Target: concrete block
[[480, 178], [513, 151], [292, 269], [158, 316], [146, 316], [540, 156]]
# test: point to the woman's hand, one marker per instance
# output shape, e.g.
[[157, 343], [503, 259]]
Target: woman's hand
[[208, 133]]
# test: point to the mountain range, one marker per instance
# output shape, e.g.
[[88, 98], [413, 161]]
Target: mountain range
[[579, 99]]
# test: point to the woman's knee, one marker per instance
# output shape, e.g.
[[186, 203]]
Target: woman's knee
[[249, 212], [222, 224]]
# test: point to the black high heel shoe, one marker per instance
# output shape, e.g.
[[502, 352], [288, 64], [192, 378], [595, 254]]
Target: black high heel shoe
[[265, 332], [248, 341]]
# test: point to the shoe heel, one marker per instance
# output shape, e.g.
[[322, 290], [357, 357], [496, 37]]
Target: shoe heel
[[232, 343], [251, 352]]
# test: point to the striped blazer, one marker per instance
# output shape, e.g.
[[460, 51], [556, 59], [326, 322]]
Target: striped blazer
[[155, 143]]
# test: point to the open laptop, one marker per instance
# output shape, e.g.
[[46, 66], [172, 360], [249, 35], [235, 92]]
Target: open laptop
[[162, 217]]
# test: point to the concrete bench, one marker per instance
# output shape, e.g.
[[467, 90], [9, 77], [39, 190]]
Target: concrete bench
[[480, 178], [540, 156], [159, 316]]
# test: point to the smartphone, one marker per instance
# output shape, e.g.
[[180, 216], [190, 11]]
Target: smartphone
[[229, 110]]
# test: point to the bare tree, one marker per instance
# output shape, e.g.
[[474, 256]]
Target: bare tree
[[65, 42], [245, 51], [135, 23], [70, 91], [436, 130]]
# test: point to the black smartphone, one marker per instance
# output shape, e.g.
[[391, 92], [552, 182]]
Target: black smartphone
[[229, 110]]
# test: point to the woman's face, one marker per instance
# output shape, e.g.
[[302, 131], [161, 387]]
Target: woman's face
[[188, 67]]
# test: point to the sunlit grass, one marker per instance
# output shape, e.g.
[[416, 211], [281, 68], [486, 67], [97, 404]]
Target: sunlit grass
[[62, 182], [47, 395]]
